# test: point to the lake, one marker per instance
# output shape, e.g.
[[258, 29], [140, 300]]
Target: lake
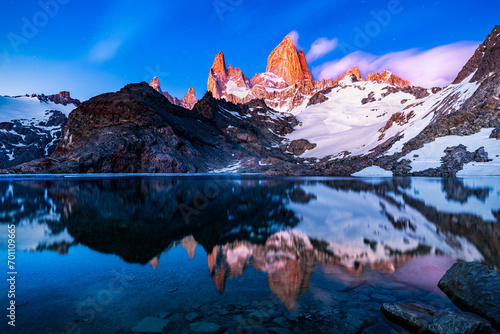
[[237, 254]]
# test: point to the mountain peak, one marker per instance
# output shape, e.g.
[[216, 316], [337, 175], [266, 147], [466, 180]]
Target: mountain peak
[[284, 62], [387, 77], [219, 65], [155, 83], [217, 76], [354, 71], [189, 100]]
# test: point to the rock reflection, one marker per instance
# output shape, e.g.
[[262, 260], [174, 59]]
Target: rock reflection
[[283, 227], [288, 259]]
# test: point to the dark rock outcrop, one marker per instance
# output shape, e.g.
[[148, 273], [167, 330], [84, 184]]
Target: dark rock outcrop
[[297, 147], [370, 98], [475, 288], [63, 98], [453, 161], [319, 97], [495, 133], [138, 130], [421, 319]]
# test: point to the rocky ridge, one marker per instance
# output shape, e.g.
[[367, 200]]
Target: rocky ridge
[[138, 130], [188, 101], [286, 84], [237, 126]]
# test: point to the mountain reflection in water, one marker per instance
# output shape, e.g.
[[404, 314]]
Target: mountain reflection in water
[[283, 227]]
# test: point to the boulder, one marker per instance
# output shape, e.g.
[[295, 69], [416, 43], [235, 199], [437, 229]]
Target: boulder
[[474, 287], [418, 318], [299, 146]]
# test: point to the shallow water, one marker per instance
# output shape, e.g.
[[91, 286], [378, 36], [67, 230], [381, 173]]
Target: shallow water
[[100, 255]]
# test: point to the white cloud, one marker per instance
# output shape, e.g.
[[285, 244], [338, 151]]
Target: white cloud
[[321, 47], [104, 50], [295, 38], [427, 68]]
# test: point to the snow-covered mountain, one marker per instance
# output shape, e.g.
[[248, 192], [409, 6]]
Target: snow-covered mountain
[[282, 122], [30, 126]]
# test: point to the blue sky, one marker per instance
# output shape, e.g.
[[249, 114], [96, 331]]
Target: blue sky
[[92, 47]]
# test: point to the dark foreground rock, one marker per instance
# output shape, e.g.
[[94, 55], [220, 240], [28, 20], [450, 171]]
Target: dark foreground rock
[[421, 319], [474, 287]]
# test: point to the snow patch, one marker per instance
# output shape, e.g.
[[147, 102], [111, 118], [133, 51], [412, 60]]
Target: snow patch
[[429, 156], [28, 108], [373, 171]]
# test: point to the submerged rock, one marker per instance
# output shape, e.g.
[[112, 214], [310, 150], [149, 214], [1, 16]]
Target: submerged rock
[[150, 325], [204, 327], [474, 287], [425, 320], [330, 320], [192, 316]]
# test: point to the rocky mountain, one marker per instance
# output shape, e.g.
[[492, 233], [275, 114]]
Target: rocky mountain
[[139, 130], [409, 130], [284, 62], [348, 126], [187, 101], [287, 85], [31, 126], [388, 77], [63, 98]]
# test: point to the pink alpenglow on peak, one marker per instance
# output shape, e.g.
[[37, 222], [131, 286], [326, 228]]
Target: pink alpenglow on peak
[[287, 83], [189, 100], [388, 77], [155, 83], [284, 62]]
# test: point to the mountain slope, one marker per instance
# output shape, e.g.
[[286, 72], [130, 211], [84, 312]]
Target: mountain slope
[[364, 123], [30, 126]]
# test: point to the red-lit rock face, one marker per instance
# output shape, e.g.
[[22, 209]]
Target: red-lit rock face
[[287, 82], [284, 62]]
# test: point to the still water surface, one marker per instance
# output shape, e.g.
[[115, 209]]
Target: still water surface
[[104, 255]]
